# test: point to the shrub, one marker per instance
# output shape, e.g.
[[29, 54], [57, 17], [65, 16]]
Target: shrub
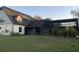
[[68, 32], [55, 31], [58, 31]]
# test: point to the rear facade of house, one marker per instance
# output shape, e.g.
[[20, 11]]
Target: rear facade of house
[[12, 21]]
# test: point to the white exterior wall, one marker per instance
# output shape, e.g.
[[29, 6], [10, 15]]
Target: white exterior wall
[[7, 23], [3, 29], [11, 28], [16, 29], [6, 19]]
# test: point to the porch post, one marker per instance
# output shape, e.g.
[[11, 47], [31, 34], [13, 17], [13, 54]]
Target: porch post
[[78, 24], [33, 28]]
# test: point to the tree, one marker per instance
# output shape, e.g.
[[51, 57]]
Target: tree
[[75, 13], [37, 17]]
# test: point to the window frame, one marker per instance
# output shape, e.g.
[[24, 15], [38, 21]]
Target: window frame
[[20, 29], [0, 28]]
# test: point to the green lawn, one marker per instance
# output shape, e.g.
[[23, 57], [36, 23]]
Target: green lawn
[[38, 43]]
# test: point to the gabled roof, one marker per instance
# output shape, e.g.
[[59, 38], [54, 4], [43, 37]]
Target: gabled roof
[[12, 13]]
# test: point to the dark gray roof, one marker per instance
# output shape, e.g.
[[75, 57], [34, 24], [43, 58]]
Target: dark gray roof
[[25, 21], [12, 10], [30, 21]]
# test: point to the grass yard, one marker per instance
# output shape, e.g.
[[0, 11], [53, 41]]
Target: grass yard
[[38, 44]]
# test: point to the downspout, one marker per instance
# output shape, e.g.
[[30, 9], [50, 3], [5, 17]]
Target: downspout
[[78, 24], [12, 28]]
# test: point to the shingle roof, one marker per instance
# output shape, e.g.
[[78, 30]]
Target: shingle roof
[[12, 13], [28, 20]]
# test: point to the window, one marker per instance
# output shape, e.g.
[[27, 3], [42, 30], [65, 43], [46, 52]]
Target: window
[[0, 27], [6, 29], [1, 20], [20, 29], [19, 19], [68, 24]]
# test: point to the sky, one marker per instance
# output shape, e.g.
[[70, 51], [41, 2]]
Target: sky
[[54, 12]]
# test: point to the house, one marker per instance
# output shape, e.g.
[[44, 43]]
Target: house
[[12, 21]]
